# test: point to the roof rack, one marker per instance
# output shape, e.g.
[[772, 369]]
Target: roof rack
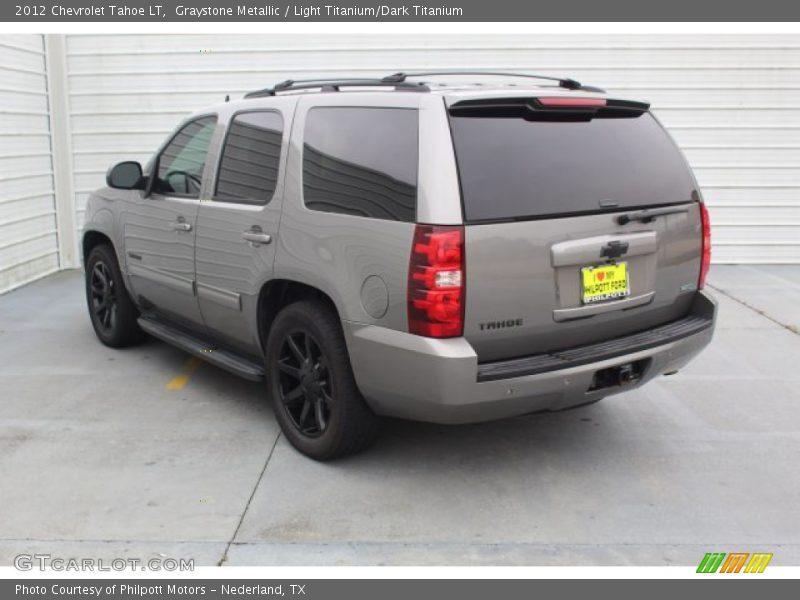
[[333, 85], [399, 81], [567, 83]]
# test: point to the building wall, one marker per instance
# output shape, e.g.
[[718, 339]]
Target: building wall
[[28, 238], [731, 101]]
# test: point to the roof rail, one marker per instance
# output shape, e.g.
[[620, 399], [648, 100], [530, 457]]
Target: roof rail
[[567, 83], [334, 85]]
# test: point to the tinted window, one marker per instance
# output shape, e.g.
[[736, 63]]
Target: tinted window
[[361, 161], [248, 170], [513, 168], [180, 166]]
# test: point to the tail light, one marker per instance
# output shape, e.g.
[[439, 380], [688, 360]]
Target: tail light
[[705, 262], [436, 281]]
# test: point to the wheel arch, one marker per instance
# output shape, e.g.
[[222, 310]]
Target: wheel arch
[[279, 293], [93, 238]]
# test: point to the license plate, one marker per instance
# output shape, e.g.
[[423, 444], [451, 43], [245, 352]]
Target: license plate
[[605, 282]]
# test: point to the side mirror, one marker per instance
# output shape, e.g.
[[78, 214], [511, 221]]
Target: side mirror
[[125, 176]]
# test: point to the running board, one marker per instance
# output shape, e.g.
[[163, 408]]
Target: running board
[[224, 359]]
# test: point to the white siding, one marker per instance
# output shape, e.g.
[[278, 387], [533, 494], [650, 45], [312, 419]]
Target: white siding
[[28, 240], [732, 102]]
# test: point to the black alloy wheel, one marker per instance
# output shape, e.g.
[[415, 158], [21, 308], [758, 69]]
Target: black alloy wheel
[[306, 386], [112, 311], [311, 384], [103, 297]]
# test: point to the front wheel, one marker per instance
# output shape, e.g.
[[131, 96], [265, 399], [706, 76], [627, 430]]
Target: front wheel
[[111, 309], [316, 400]]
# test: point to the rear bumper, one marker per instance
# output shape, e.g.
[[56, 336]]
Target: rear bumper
[[413, 377]]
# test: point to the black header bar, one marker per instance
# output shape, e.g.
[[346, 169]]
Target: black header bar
[[133, 11]]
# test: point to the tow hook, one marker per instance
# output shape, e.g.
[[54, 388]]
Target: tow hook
[[626, 374], [619, 376]]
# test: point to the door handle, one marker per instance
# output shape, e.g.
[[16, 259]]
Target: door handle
[[257, 237], [181, 226]]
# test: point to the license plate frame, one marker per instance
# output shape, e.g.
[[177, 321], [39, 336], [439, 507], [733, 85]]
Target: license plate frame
[[605, 283]]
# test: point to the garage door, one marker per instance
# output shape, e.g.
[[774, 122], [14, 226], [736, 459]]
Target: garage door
[[28, 241], [731, 101]]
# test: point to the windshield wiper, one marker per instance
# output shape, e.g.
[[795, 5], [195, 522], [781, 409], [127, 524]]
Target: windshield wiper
[[648, 214]]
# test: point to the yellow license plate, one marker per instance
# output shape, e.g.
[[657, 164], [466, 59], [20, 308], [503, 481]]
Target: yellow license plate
[[605, 282]]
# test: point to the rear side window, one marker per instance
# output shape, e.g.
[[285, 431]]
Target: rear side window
[[181, 163], [248, 169], [512, 168], [361, 161]]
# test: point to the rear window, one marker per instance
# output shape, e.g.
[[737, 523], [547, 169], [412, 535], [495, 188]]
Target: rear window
[[511, 168]]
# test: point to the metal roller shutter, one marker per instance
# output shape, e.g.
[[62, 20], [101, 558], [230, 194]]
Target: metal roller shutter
[[28, 238], [731, 101]]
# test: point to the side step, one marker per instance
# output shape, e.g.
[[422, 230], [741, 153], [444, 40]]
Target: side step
[[238, 365]]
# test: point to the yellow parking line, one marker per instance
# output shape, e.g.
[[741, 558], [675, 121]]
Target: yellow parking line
[[177, 382]]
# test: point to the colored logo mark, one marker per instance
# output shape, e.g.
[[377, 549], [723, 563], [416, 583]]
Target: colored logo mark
[[735, 562]]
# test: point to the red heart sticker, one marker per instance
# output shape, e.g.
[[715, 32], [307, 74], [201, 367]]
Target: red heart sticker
[[600, 275]]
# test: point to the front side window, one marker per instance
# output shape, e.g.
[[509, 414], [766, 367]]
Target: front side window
[[248, 169], [180, 165], [361, 161]]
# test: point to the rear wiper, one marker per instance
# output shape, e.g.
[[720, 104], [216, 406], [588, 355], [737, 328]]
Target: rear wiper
[[648, 214]]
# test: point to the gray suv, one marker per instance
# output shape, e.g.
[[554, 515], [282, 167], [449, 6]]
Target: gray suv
[[410, 248]]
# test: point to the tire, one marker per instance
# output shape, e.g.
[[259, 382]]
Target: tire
[[311, 384], [111, 310]]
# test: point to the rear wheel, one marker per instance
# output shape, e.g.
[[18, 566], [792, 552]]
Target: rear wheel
[[111, 309], [316, 400]]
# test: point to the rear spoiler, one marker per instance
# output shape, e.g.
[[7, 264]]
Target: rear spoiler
[[549, 108]]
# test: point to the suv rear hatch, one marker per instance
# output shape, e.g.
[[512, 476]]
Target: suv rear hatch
[[582, 222]]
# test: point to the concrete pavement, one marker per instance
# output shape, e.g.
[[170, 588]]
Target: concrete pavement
[[99, 459]]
